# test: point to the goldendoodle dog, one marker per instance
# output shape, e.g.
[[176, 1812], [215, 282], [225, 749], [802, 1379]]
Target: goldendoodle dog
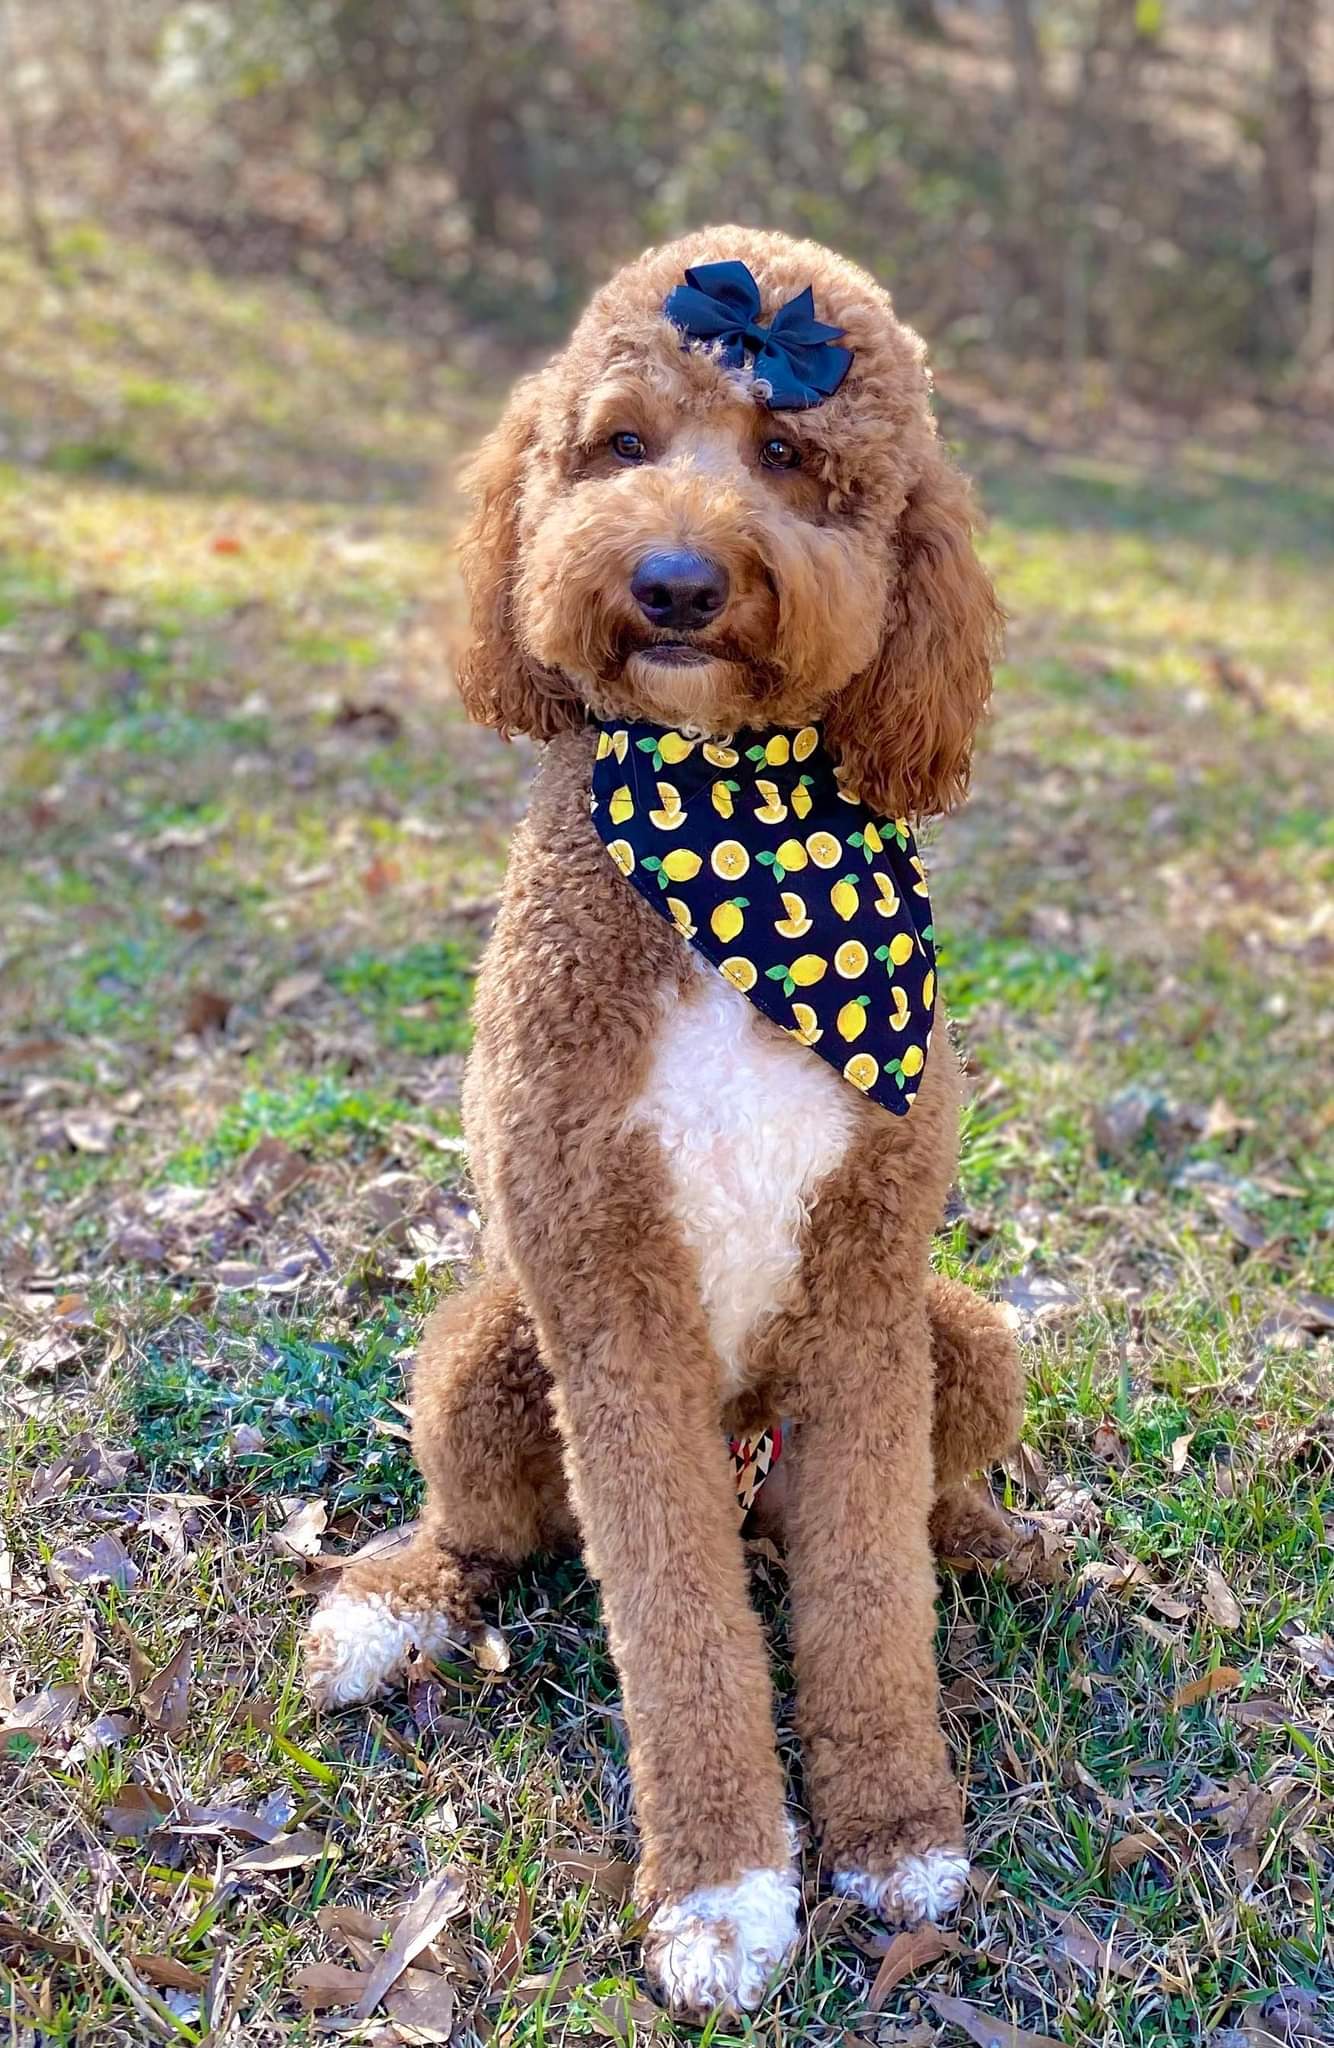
[[722, 568]]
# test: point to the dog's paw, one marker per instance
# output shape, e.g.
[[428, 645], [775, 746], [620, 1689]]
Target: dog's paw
[[915, 1888], [717, 1948], [358, 1643]]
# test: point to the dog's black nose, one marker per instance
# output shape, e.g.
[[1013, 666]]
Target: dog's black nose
[[679, 590]]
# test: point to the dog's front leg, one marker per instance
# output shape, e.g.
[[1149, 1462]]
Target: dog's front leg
[[863, 1591], [651, 1484]]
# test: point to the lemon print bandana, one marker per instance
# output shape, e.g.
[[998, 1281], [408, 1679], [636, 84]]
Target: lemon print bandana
[[800, 896]]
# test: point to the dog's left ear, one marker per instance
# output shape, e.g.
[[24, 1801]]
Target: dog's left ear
[[904, 728]]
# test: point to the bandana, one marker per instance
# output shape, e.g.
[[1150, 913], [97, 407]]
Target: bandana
[[815, 909], [753, 1459]]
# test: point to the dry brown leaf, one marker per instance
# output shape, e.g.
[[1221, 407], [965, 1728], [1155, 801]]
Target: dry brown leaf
[[1181, 1452], [1128, 1850], [907, 1953], [322, 1985], [91, 1130], [301, 1532], [292, 989], [513, 1948], [1226, 1678], [43, 1716], [206, 1013], [287, 1852], [1076, 1940], [423, 2003], [103, 1562], [352, 1922], [1220, 1602], [489, 1650], [166, 1973], [439, 1899], [610, 1875], [165, 1699], [137, 1811], [1108, 1444], [986, 2031], [382, 874], [26, 1940], [1314, 1653]]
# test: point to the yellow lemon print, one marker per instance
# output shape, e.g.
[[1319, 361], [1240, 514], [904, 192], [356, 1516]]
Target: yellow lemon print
[[843, 896], [681, 917], [721, 757], [792, 855], [621, 806], [778, 752], [670, 816], [729, 859], [823, 848], [801, 798], [773, 810], [851, 1019], [851, 959], [899, 1017], [807, 1027], [912, 1060], [899, 949], [727, 919], [796, 924], [604, 746], [623, 854], [805, 743], [919, 886], [681, 865], [888, 903], [674, 749], [740, 972], [861, 1070], [807, 969], [928, 989], [723, 794]]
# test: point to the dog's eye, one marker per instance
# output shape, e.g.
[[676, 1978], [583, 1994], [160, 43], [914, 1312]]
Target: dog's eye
[[629, 447], [778, 454]]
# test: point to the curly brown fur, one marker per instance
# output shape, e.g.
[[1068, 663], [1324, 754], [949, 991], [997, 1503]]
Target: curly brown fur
[[580, 1385]]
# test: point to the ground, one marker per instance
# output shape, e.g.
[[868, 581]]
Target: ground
[[250, 852]]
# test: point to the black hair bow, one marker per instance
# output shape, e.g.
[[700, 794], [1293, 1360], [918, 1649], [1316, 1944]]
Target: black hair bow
[[720, 303]]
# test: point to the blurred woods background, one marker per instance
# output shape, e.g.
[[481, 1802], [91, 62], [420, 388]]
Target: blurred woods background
[[1141, 191]]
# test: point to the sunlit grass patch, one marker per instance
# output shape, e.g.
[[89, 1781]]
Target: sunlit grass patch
[[420, 998], [308, 1407]]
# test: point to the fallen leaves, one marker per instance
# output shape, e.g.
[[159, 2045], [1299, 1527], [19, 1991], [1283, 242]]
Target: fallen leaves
[[982, 2028], [909, 1952], [1224, 1678], [1314, 1653], [439, 1899], [165, 1701], [1220, 1602], [301, 1532], [103, 1562]]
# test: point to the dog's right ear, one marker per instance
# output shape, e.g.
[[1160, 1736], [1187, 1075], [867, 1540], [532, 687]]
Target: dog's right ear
[[499, 684]]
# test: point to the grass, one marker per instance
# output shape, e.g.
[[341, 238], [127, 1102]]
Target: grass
[[248, 855]]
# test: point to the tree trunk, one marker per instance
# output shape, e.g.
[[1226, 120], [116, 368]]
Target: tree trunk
[[25, 174], [1292, 155]]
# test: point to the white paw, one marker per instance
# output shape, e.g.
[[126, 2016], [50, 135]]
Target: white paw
[[357, 1643], [925, 1887], [717, 1948]]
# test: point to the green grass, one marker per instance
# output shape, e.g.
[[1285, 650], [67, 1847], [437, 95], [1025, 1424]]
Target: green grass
[[222, 536]]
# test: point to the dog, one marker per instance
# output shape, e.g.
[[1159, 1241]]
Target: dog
[[720, 565]]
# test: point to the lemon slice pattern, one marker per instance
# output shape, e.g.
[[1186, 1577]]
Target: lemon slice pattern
[[726, 837]]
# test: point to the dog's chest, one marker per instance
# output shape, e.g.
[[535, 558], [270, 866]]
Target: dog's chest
[[750, 1124]]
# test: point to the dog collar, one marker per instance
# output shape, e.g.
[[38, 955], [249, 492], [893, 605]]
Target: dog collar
[[810, 905]]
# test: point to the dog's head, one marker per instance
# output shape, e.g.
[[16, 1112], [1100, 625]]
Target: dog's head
[[652, 539]]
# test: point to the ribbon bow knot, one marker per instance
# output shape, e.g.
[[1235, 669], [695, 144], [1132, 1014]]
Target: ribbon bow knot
[[719, 303]]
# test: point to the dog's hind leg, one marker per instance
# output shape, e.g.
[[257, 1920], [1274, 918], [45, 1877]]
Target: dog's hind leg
[[979, 1410], [495, 1492]]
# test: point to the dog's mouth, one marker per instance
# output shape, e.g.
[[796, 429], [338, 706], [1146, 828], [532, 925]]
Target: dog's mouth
[[675, 654]]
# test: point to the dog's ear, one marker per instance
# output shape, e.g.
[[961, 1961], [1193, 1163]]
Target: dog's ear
[[499, 684], [904, 728]]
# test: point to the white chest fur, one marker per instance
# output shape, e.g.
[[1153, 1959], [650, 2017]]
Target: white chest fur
[[750, 1123]]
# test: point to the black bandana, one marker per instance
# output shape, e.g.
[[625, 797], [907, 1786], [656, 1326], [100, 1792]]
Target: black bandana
[[786, 883]]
